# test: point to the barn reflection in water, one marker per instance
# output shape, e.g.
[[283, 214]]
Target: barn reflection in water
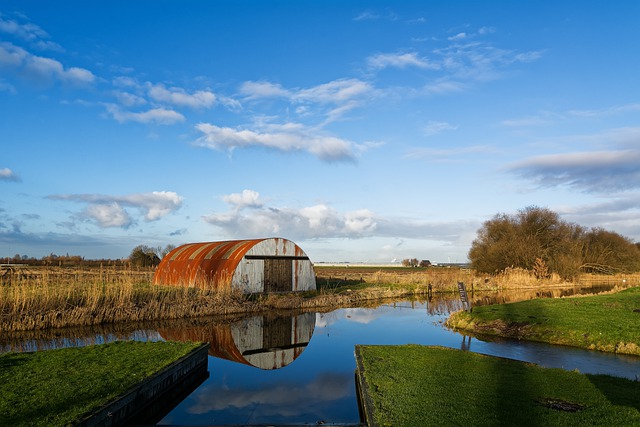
[[266, 341]]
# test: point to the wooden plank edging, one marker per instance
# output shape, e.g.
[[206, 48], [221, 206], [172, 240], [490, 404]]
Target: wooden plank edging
[[122, 409], [365, 404]]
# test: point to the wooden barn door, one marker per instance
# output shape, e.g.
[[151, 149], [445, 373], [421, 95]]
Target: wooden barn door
[[278, 275]]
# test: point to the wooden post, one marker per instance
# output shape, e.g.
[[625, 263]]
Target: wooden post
[[463, 297]]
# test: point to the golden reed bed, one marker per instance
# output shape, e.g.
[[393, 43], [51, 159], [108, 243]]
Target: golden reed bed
[[54, 297]]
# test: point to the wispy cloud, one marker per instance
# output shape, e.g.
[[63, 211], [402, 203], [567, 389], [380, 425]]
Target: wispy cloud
[[448, 154], [290, 137], [458, 37], [41, 69], [7, 174], [29, 32], [552, 117], [399, 60], [370, 15], [109, 211], [159, 116], [334, 92], [477, 61], [594, 171], [434, 128], [263, 89]]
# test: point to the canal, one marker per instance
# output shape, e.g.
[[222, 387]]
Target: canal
[[298, 368]]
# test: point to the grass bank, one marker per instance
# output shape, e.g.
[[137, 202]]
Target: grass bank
[[607, 322], [58, 387], [415, 385]]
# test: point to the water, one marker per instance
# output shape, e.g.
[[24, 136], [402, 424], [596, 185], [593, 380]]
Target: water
[[299, 368], [318, 386]]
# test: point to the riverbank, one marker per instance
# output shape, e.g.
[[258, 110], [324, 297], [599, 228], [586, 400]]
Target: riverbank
[[48, 297], [601, 322], [60, 387], [415, 385]]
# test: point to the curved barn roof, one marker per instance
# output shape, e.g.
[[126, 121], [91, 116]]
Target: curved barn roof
[[213, 264]]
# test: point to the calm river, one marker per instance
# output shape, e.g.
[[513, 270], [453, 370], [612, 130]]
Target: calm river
[[299, 368]]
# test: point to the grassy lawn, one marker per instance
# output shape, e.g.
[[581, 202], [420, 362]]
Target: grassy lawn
[[602, 322], [56, 387], [416, 385]]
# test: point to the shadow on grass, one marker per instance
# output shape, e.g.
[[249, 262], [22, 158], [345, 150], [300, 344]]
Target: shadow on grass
[[509, 383], [10, 360], [616, 390]]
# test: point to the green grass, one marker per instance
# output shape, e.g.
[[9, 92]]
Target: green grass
[[423, 386], [603, 322], [56, 387]]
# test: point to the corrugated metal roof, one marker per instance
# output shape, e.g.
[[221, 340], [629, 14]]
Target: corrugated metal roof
[[208, 265]]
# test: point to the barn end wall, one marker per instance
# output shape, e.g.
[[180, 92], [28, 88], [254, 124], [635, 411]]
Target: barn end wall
[[249, 275]]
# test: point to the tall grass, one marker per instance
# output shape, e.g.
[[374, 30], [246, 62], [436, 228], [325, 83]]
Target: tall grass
[[55, 297]]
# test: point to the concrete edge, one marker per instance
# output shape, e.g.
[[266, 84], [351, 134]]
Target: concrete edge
[[135, 400], [365, 404]]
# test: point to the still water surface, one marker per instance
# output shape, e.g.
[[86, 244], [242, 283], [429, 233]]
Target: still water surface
[[299, 368], [319, 384]]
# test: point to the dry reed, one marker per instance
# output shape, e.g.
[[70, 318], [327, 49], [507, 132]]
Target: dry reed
[[51, 297]]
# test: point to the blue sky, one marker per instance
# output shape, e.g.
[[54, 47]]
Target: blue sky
[[363, 131]]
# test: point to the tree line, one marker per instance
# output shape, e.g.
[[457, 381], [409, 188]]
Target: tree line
[[141, 256], [536, 239]]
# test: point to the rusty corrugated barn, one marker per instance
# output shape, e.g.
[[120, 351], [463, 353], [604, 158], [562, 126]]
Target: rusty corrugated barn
[[259, 265]]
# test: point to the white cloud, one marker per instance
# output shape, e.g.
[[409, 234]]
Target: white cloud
[[41, 69], [486, 30], [459, 36], [160, 116], [399, 60], [179, 97], [7, 174], [323, 221], [128, 99], [284, 399], [108, 215], [246, 199], [156, 204], [286, 138], [108, 211], [125, 81]]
